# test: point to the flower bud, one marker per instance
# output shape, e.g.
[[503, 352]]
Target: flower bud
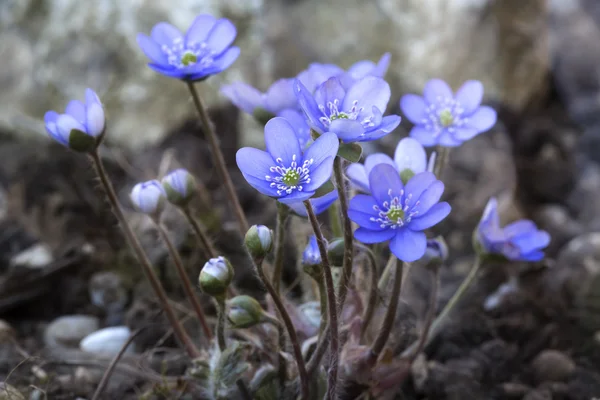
[[259, 241], [244, 312], [215, 277], [335, 252], [148, 197], [311, 259], [180, 186], [436, 252]]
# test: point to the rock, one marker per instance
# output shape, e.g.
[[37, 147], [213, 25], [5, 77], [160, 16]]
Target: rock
[[8, 392], [514, 390], [538, 394], [552, 365], [69, 330], [53, 58], [37, 256], [107, 341]]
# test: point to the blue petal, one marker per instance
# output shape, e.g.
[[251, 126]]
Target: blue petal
[[414, 108], [330, 93], [358, 176], [368, 92], [375, 159], [368, 236], [429, 197], [482, 119], [319, 204], [320, 174], [408, 246], [536, 255], [280, 96], [447, 140], [317, 73], [282, 143], [382, 66], [309, 106], [151, 49], [169, 71], [435, 90], [198, 31], [76, 109], [469, 95], [165, 34], [385, 183], [410, 154], [532, 241], [65, 124], [298, 121], [224, 61], [325, 147], [463, 134], [387, 125], [244, 96], [347, 130], [423, 136], [435, 214], [520, 227], [361, 211], [50, 122], [221, 36], [261, 185], [95, 119], [364, 220], [296, 196], [415, 188], [254, 162]]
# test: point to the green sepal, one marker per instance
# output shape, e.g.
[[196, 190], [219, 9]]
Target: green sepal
[[350, 151], [406, 174], [82, 142], [324, 189]]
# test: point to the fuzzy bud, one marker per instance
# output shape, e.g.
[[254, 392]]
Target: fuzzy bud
[[311, 259], [335, 252], [180, 186], [149, 197], [436, 252], [259, 241], [244, 312], [215, 277]]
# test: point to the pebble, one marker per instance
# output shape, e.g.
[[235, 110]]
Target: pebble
[[69, 330], [552, 365], [37, 256], [107, 341]]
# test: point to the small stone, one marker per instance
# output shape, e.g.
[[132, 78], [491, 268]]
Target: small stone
[[515, 390], [37, 256], [552, 365], [107, 341], [538, 394], [69, 330], [8, 392]]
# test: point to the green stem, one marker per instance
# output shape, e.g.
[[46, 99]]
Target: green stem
[[334, 220], [143, 258], [185, 280], [205, 243], [348, 238], [213, 142], [282, 215], [390, 316], [221, 311], [442, 160], [372, 300], [289, 326], [331, 301]]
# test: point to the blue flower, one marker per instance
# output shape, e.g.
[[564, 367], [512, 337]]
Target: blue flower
[[398, 212], [319, 204], [409, 159], [149, 197], [354, 115], [298, 122], [203, 51], [365, 68], [79, 122], [285, 171], [180, 186], [447, 119], [311, 254], [277, 98], [519, 241]]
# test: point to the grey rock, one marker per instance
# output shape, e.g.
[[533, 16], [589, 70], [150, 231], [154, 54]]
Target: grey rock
[[107, 341], [69, 330], [552, 365]]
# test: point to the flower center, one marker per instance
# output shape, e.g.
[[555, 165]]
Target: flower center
[[180, 55], [332, 113], [395, 213], [288, 179], [445, 114], [446, 118]]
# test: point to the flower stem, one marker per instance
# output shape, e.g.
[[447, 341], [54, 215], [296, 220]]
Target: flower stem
[[334, 220], [221, 311], [348, 239], [385, 275], [372, 300], [323, 305], [331, 301], [390, 316], [185, 280], [319, 352], [289, 326], [142, 258], [282, 215], [435, 278], [213, 141], [442, 160], [205, 243]]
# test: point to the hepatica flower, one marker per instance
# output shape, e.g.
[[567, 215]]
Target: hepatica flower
[[319, 204], [204, 50], [409, 159], [447, 119], [285, 171], [278, 97], [311, 254], [354, 115], [519, 241], [149, 197], [398, 212], [81, 126]]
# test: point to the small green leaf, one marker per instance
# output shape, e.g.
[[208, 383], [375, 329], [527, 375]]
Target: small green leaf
[[350, 151], [82, 142], [326, 188]]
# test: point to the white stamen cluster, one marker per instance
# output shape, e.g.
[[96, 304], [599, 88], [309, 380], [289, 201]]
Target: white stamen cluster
[[289, 178], [332, 112], [393, 214], [181, 56], [444, 113]]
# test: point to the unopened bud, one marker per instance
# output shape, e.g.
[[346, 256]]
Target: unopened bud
[[148, 197], [215, 277], [259, 241], [244, 312], [180, 187], [436, 252]]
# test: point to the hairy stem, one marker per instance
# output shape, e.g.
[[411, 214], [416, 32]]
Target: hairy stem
[[205, 243], [178, 330], [185, 280], [442, 160], [323, 305], [385, 275], [282, 215], [348, 238], [221, 311], [390, 315], [372, 299], [213, 142], [317, 355], [289, 326], [331, 302], [334, 220]]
